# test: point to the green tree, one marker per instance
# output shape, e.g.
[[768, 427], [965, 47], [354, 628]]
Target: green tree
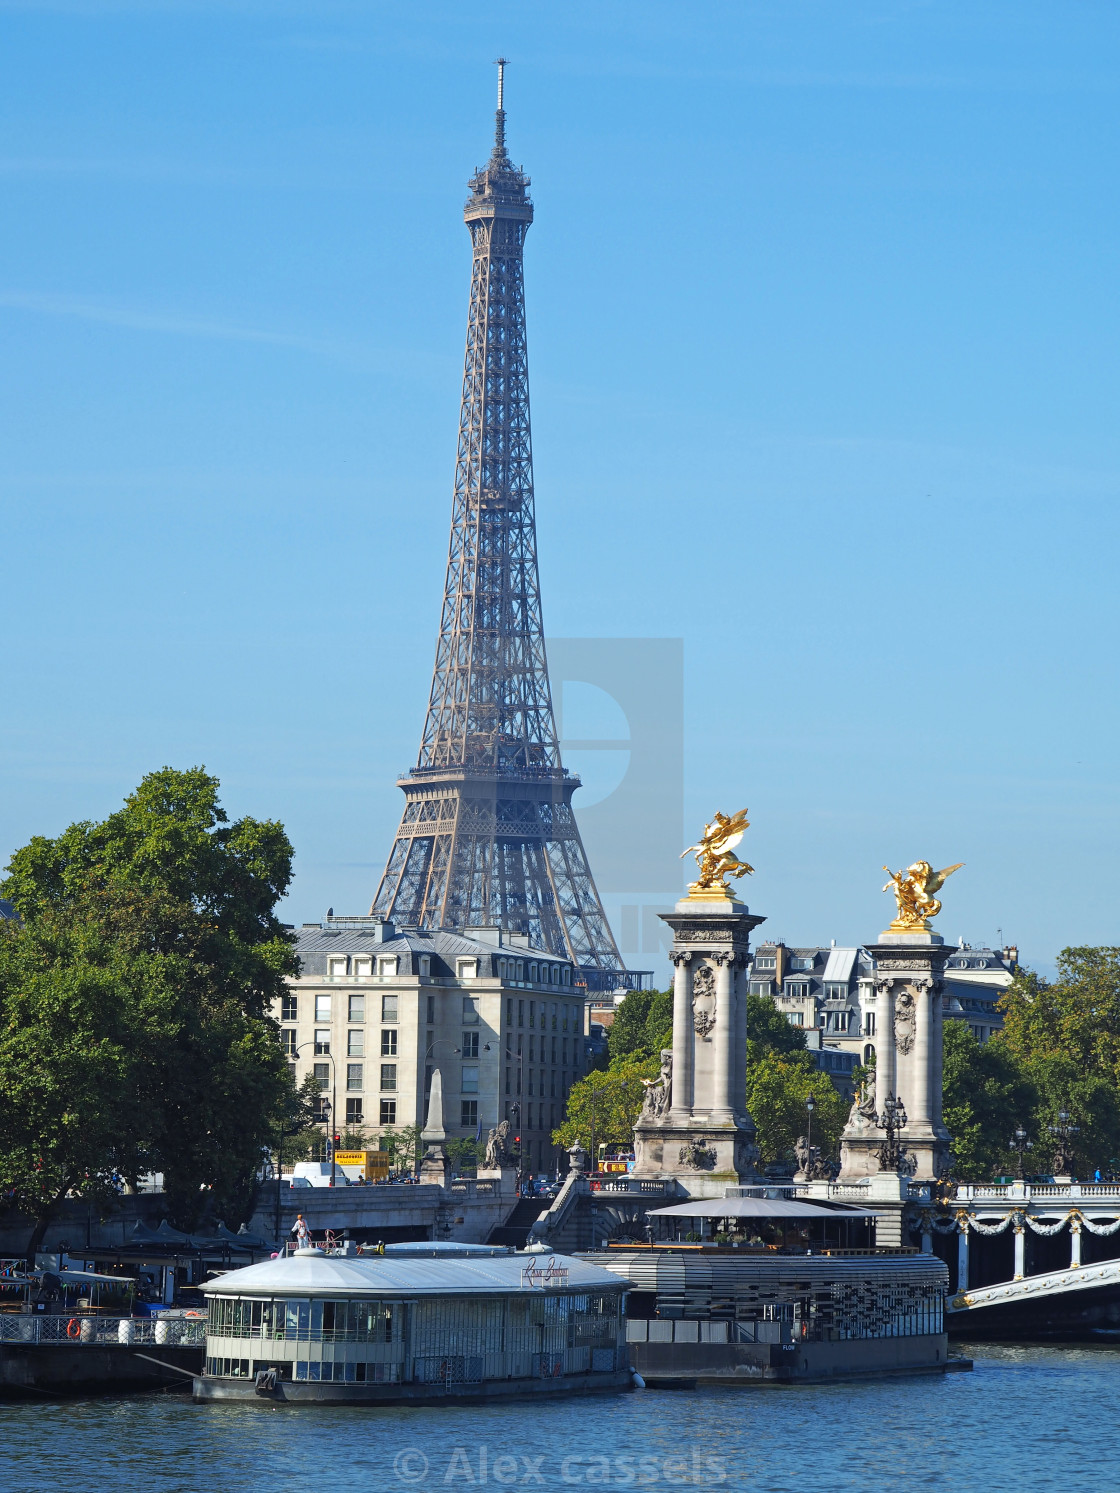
[[777, 1088], [643, 1025], [986, 1095], [463, 1152], [403, 1145], [768, 1031], [1065, 1037], [157, 929], [604, 1106]]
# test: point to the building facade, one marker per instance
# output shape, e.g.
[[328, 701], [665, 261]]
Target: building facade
[[832, 990], [377, 1009]]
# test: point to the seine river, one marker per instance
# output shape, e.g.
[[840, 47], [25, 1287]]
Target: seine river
[[1027, 1418]]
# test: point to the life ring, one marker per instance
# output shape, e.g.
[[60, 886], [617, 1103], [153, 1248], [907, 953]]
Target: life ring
[[192, 1314], [73, 1328]]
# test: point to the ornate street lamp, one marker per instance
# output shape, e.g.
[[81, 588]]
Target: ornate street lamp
[[1020, 1143], [1063, 1149]]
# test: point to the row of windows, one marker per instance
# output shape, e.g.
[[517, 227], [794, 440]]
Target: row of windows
[[554, 1015], [545, 1014], [361, 967], [557, 1085]]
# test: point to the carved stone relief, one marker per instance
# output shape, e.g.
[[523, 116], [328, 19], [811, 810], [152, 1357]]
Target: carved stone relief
[[905, 1022], [704, 1001]]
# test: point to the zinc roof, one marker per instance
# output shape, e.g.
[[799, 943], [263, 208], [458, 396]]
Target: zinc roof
[[306, 1275]]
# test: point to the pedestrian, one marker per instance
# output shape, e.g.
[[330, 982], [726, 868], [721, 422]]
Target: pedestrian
[[302, 1232]]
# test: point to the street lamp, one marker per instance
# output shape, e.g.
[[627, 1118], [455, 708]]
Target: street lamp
[[1063, 1151], [810, 1105], [1020, 1143]]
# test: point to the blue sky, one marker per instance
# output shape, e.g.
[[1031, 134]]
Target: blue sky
[[823, 346]]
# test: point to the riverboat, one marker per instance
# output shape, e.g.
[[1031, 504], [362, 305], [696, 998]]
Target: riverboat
[[349, 1328]]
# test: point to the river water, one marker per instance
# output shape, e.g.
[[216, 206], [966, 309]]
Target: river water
[[1028, 1417]]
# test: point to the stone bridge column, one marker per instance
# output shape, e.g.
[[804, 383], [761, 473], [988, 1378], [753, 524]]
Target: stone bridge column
[[920, 1117], [1074, 1241], [1020, 1249], [681, 1098], [962, 1254], [726, 1023]]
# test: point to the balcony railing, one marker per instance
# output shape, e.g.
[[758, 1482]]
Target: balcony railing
[[104, 1332]]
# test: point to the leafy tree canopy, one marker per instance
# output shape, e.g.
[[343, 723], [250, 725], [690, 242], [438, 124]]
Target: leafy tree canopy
[[604, 1106], [777, 1088], [643, 1025], [986, 1095], [1064, 1037], [133, 999]]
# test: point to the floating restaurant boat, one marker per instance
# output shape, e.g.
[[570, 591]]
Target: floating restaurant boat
[[358, 1329]]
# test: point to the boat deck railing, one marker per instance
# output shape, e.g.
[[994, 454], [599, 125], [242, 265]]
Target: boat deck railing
[[84, 1331]]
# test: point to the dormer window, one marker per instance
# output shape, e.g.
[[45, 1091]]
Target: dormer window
[[797, 989], [363, 967], [387, 965], [766, 961], [336, 967], [801, 962], [425, 966], [466, 969]]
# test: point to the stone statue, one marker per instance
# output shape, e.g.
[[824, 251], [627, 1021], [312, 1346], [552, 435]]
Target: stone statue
[[497, 1147], [862, 1111], [714, 855], [803, 1154], [914, 895], [659, 1090]]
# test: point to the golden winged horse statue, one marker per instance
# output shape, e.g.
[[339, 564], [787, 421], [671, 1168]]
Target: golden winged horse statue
[[715, 858], [914, 894]]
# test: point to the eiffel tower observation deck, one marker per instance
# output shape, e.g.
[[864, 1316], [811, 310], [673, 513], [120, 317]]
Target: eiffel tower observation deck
[[488, 836]]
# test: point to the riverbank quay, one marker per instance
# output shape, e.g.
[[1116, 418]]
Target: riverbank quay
[[314, 1328], [94, 1355]]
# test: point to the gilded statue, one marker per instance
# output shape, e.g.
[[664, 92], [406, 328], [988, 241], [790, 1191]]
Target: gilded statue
[[714, 856], [914, 893]]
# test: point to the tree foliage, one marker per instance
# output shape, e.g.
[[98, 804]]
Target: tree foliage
[[643, 1025], [777, 1088], [134, 1033], [603, 1107], [986, 1095], [1065, 1038], [768, 1031]]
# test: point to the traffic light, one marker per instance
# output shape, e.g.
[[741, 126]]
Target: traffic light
[[337, 1141]]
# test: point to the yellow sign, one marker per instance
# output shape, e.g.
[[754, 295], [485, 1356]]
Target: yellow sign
[[373, 1163]]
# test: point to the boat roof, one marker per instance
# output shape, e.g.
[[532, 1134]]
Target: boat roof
[[311, 1273], [756, 1208]]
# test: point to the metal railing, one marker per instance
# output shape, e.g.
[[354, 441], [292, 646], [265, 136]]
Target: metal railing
[[103, 1332]]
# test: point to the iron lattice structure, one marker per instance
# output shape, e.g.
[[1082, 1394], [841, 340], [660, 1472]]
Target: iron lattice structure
[[488, 836]]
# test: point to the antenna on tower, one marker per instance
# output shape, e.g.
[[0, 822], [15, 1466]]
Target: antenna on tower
[[500, 117]]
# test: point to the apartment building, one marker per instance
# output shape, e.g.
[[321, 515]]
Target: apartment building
[[377, 1009]]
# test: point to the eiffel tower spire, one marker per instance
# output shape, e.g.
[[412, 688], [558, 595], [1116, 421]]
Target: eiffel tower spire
[[488, 836]]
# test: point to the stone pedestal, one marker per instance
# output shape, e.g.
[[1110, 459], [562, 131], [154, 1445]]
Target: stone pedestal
[[694, 1126], [505, 1176], [908, 1058]]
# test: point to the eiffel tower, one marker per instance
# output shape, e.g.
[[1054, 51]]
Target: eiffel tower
[[488, 836]]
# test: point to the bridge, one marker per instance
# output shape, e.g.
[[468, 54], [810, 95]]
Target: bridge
[[1056, 1282]]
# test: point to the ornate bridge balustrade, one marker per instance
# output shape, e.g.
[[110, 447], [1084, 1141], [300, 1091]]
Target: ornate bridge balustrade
[[1082, 1220]]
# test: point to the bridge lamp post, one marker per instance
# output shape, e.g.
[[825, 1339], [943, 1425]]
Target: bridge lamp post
[[1020, 1143], [810, 1105]]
